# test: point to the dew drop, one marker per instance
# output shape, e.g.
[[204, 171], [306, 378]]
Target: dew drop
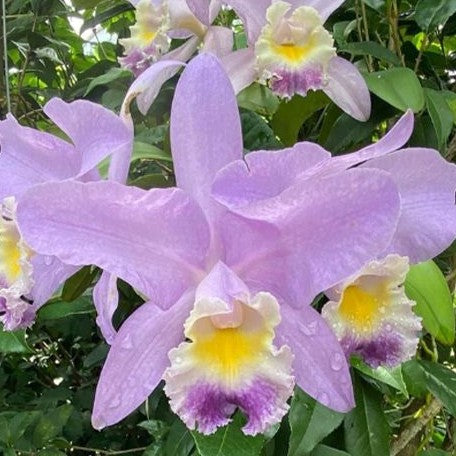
[[48, 260], [115, 402], [337, 361], [389, 328], [310, 329]]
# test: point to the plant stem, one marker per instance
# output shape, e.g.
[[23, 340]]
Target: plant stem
[[5, 56]]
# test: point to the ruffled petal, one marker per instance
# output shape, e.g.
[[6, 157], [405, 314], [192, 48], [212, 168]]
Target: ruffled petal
[[157, 240], [347, 89], [320, 367], [205, 127], [373, 317], [324, 7], [426, 183], [230, 360], [106, 300], [137, 360]]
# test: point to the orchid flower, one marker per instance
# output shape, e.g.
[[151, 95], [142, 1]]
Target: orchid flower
[[29, 158], [158, 21], [238, 290], [292, 51], [369, 311]]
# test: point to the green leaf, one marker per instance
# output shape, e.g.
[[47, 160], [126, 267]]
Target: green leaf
[[290, 116], [414, 378], [106, 15], [258, 98], [441, 115], [257, 133], [310, 423], [441, 383], [374, 49], [13, 342], [179, 441], [375, 4], [112, 75], [400, 87], [392, 377], [51, 424], [323, 450], [229, 441], [78, 283], [434, 452], [426, 285], [366, 428], [61, 309], [430, 14]]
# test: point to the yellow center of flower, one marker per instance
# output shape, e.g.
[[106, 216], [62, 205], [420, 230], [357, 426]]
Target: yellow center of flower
[[292, 52], [10, 252], [146, 35], [228, 350], [360, 308]]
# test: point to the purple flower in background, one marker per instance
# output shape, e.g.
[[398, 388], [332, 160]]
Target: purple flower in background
[[29, 158], [290, 49], [238, 289], [369, 311]]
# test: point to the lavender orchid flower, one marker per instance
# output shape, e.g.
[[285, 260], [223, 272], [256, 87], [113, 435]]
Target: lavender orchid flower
[[292, 51], [369, 311], [158, 21], [28, 158], [237, 289]]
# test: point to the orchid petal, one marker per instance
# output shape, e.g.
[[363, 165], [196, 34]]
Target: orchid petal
[[347, 89], [106, 300], [146, 87], [184, 52], [156, 240], [264, 174], [320, 367], [324, 7], [218, 40], [240, 67], [320, 221], [95, 131], [426, 183], [205, 10], [182, 18], [253, 16], [29, 157], [205, 126], [138, 359]]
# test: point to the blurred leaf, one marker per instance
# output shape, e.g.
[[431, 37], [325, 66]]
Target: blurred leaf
[[257, 133], [106, 15], [414, 378], [62, 309], [310, 423], [323, 450], [179, 441], [258, 98], [229, 441], [392, 377], [50, 425], [114, 74], [426, 285], [431, 14], [441, 115], [78, 283], [374, 49], [399, 87], [13, 342], [366, 428], [290, 116], [441, 383], [434, 452]]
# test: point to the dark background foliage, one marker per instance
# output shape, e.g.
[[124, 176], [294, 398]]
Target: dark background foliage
[[407, 51]]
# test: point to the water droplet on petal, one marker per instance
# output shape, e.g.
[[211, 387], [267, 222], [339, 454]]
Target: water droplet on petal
[[310, 329], [337, 362], [48, 260], [323, 398], [389, 328], [115, 402]]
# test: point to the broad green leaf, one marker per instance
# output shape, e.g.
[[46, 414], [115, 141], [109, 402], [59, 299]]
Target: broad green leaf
[[434, 452], [430, 14], [50, 425], [179, 441], [441, 115], [441, 382], [323, 450], [62, 309], [374, 49], [426, 285], [400, 87], [257, 133], [258, 98], [112, 75], [85, 4], [392, 377], [366, 429], [78, 283], [290, 116], [106, 15], [450, 98], [13, 342], [229, 441], [310, 423], [376, 4], [414, 378]]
